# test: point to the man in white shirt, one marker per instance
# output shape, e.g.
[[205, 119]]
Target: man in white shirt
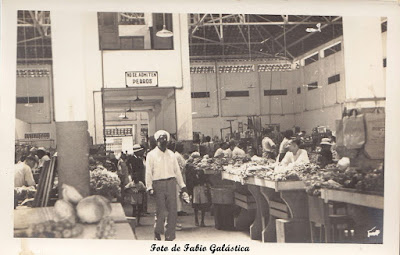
[[162, 174], [295, 155], [23, 172], [268, 146], [219, 153]]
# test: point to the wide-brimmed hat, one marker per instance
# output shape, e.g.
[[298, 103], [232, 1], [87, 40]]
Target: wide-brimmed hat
[[41, 149], [326, 141], [137, 147]]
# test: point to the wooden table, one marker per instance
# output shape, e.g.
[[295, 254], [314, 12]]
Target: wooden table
[[366, 210], [352, 197], [25, 216], [266, 193]]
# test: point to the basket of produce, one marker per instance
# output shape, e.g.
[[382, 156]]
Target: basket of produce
[[104, 183]]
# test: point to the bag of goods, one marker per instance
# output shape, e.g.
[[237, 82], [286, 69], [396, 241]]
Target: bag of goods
[[70, 194], [343, 163], [353, 130], [93, 208], [65, 210]]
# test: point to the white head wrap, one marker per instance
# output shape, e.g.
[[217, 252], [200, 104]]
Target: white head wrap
[[160, 133]]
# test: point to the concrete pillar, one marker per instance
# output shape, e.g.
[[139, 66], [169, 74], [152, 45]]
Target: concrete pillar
[[70, 99], [183, 95], [152, 122], [362, 45]]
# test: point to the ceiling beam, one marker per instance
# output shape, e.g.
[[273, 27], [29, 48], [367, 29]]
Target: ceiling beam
[[233, 46], [197, 25], [235, 56], [291, 29], [221, 18], [309, 35], [277, 42], [272, 23]]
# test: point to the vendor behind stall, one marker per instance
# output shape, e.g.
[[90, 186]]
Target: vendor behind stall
[[219, 153], [295, 155], [23, 172], [325, 155], [43, 157], [268, 146], [238, 151], [284, 147]]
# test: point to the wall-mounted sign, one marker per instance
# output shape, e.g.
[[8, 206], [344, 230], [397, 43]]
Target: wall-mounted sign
[[141, 79], [37, 136]]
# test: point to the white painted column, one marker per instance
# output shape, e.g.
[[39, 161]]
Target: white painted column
[[70, 99], [362, 45], [183, 95]]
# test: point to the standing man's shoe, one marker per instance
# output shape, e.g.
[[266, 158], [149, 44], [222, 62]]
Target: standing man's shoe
[[157, 236]]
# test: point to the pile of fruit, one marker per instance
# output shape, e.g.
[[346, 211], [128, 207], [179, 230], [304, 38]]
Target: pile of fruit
[[72, 212], [351, 178], [210, 164]]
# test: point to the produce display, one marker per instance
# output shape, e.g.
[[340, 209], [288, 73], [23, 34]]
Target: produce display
[[333, 176], [55, 229], [361, 180], [104, 183], [208, 164], [72, 212], [22, 193]]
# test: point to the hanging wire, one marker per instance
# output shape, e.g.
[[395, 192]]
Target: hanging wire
[[26, 61], [280, 86], [284, 38]]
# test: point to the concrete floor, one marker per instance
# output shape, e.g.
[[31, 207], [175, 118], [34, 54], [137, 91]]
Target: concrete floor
[[189, 231]]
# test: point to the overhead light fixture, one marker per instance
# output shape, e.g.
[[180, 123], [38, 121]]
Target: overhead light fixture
[[313, 30], [137, 97], [125, 118], [121, 115], [130, 109], [194, 113], [164, 32], [28, 105]]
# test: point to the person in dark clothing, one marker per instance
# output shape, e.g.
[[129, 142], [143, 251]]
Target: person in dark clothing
[[325, 157]]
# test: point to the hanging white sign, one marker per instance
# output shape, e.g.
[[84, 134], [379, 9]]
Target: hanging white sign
[[141, 78]]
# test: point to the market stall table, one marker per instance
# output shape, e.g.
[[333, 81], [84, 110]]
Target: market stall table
[[267, 195], [366, 209], [352, 197], [25, 216]]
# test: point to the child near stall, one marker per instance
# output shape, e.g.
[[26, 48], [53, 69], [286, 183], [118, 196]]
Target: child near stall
[[134, 192], [201, 199]]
